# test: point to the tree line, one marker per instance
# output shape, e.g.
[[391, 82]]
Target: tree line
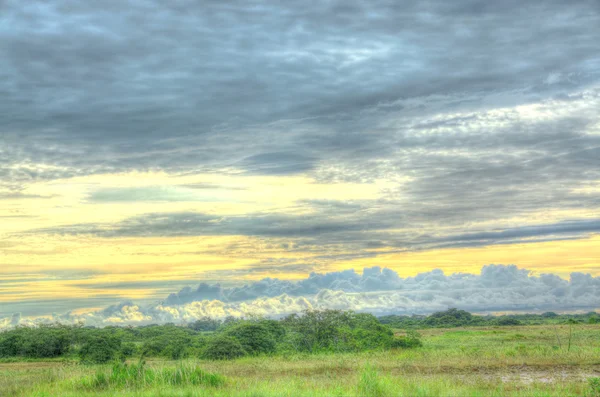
[[460, 318], [312, 331]]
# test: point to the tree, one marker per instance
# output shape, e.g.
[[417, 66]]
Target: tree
[[255, 338], [100, 349], [223, 347], [205, 324]]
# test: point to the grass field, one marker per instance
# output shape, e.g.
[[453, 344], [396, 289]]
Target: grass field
[[494, 361]]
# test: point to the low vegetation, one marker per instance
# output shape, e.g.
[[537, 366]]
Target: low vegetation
[[310, 332], [139, 376], [460, 318], [321, 353]]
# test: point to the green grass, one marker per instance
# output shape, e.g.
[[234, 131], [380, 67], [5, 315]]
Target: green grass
[[139, 376], [506, 361]]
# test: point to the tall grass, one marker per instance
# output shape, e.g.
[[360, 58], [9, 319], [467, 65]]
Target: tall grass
[[136, 376], [371, 383], [594, 390]]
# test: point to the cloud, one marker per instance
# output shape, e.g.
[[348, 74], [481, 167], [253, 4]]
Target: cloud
[[476, 126], [376, 290], [330, 222], [146, 193], [280, 163], [21, 196], [286, 90]]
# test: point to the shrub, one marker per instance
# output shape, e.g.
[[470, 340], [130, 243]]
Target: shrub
[[171, 345], [100, 349], [205, 324], [11, 344], [275, 327], [223, 347], [129, 349], [318, 330], [335, 330], [449, 318], [507, 321], [549, 315], [410, 340], [255, 338], [368, 334], [46, 342]]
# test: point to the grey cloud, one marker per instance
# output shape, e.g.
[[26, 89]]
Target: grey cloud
[[341, 92], [20, 196], [147, 193], [332, 223], [376, 290], [15, 319], [211, 186], [198, 224], [280, 163], [148, 69], [422, 287], [567, 227]]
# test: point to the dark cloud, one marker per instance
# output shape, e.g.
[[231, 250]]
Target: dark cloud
[[340, 91], [280, 163]]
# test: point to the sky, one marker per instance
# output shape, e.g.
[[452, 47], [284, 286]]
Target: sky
[[160, 161]]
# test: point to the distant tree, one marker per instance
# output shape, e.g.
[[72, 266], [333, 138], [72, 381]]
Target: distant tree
[[100, 349], [205, 324], [255, 338], [449, 318], [410, 340], [549, 315], [223, 347], [507, 321], [336, 330]]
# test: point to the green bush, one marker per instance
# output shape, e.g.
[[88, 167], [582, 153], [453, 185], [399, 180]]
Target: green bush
[[11, 344], [129, 349], [410, 340], [507, 321], [255, 338], [47, 342], [449, 318], [275, 327], [223, 347], [205, 324], [100, 349], [335, 330], [318, 330], [44, 341], [171, 345]]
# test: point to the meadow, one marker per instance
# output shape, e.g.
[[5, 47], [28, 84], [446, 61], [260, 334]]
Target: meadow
[[528, 360]]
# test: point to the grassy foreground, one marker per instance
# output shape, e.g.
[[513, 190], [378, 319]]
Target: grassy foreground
[[487, 361]]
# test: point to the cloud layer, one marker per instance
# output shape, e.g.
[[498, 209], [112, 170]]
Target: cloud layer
[[376, 290]]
